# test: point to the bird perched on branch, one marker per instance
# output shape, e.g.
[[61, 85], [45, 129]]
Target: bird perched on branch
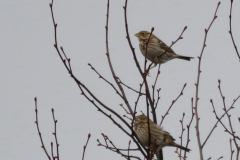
[[158, 136], [157, 51]]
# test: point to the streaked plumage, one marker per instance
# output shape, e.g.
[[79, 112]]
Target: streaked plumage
[[156, 47], [162, 137]]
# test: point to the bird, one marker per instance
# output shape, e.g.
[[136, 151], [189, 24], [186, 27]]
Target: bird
[[159, 136], [157, 51]]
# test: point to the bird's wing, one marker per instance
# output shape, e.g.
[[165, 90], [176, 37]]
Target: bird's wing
[[168, 136], [164, 46]]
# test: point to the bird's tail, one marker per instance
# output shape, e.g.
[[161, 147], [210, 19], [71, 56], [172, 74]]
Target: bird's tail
[[183, 148], [184, 57]]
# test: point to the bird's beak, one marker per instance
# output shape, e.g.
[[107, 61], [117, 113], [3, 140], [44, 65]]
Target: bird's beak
[[136, 34]]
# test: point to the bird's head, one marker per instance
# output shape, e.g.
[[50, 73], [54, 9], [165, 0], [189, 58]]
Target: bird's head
[[141, 119], [143, 35]]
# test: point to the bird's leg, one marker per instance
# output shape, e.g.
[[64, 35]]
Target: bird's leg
[[155, 61], [155, 64]]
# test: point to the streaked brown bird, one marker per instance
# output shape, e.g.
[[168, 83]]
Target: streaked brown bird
[[162, 137], [156, 47]]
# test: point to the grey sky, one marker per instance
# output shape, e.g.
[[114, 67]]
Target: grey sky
[[31, 67]]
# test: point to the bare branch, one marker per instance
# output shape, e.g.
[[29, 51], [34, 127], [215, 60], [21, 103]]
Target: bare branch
[[220, 157], [111, 67], [214, 111], [133, 136], [154, 85], [197, 85], [137, 64], [128, 38], [52, 151], [148, 97], [173, 42], [183, 129], [55, 133], [232, 151], [188, 129], [229, 119], [39, 133], [100, 76], [129, 149], [82, 86], [115, 149], [120, 81], [158, 90], [85, 146], [231, 107], [230, 32], [181, 93], [136, 103], [180, 157], [124, 109]]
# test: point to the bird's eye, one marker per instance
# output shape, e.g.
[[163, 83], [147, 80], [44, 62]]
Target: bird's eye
[[142, 33]]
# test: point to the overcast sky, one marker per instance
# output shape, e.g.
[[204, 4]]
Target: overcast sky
[[30, 67]]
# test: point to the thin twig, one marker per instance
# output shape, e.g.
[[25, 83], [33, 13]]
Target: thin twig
[[181, 157], [230, 32], [115, 149], [111, 67], [173, 42], [137, 64], [183, 129], [85, 146], [100, 76], [220, 157], [55, 133], [148, 97], [188, 129], [68, 59], [229, 119], [129, 149], [39, 133], [231, 107], [52, 151], [120, 81], [154, 85], [136, 103], [127, 117], [158, 90], [197, 85], [232, 151], [181, 93], [129, 40], [124, 109], [146, 52], [214, 111]]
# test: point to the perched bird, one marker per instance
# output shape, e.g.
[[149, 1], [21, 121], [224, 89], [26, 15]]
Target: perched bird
[[156, 48], [161, 137]]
